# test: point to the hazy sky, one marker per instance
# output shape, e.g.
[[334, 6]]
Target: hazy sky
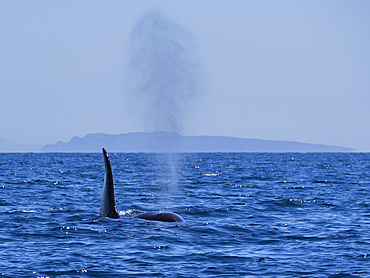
[[282, 70]]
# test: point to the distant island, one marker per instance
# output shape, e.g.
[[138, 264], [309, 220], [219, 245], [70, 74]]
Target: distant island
[[173, 142], [9, 147]]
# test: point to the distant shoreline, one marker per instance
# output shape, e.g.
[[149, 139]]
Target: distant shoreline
[[158, 142], [163, 142]]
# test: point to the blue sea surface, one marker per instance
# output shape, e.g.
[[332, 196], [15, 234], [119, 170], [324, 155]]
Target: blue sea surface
[[246, 215]]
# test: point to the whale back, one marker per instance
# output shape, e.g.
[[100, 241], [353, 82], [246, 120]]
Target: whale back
[[108, 204], [161, 216]]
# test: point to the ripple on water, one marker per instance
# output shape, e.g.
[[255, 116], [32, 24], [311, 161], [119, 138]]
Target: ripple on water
[[265, 215]]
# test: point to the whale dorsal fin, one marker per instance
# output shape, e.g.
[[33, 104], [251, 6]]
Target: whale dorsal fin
[[108, 204]]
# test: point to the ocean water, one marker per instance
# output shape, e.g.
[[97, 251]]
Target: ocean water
[[246, 215]]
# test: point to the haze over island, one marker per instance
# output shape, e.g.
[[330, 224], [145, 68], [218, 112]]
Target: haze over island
[[169, 142]]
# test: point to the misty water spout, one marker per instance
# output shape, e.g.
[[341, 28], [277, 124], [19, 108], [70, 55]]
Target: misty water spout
[[163, 74], [163, 78]]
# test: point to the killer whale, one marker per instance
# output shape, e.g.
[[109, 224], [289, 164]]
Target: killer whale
[[108, 206]]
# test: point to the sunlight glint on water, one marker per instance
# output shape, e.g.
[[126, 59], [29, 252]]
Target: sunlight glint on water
[[267, 215]]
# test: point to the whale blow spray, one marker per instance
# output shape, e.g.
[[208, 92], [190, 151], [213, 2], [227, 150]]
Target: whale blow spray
[[163, 73], [163, 77]]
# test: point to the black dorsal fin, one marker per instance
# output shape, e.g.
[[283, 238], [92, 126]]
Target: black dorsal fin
[[108, 204]]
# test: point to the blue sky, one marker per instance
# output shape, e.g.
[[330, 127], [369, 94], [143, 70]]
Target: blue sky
[[281, 70]]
